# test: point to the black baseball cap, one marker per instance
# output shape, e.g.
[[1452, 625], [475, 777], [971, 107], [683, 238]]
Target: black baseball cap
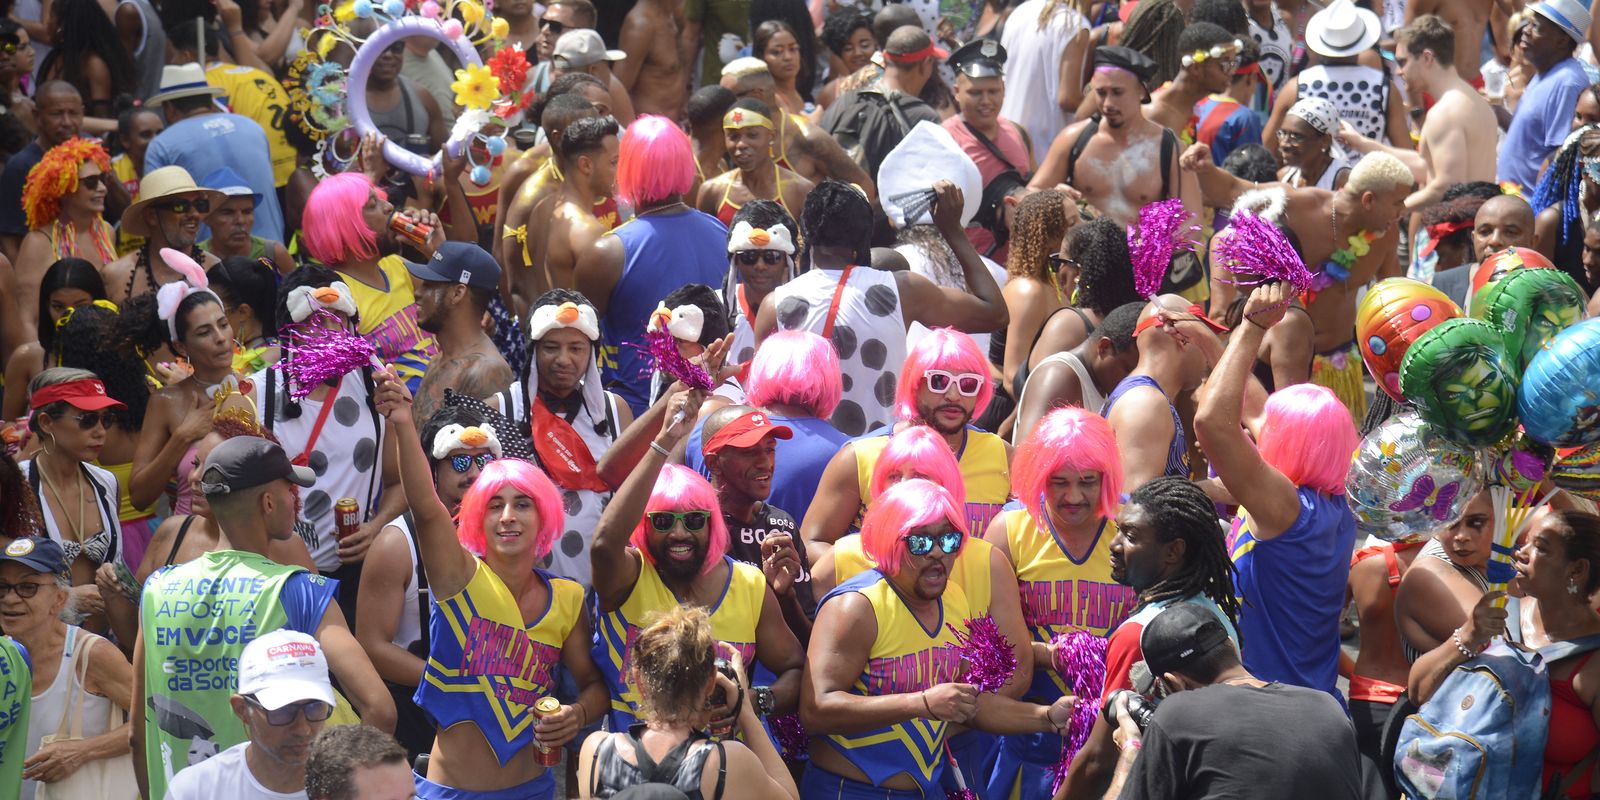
[[37, 553], [979, 58], [245, 462], [1179, 636], [459, 262]]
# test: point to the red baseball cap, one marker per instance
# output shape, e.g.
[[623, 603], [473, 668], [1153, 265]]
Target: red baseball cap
[[746, 431], [88, 394]]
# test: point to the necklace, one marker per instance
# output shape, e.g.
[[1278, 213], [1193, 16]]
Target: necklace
[[77, 530], [1337, 268], [647, 212], [142, 264]]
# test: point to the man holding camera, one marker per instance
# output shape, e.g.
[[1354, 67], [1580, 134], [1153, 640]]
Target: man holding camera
[[1220, 732]]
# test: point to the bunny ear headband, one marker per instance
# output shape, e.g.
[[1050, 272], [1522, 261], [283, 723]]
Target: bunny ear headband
[[172, 295], [303, 301], [566, 315], [456, 437], [683, 322], [745, 237]]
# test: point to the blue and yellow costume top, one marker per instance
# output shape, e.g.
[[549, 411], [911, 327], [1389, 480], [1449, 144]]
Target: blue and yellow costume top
[[905, 658], [487, 665], [733, 622], [985, 472], [970, 570]]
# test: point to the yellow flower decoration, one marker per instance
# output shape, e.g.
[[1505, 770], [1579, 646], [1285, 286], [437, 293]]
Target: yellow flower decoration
[[476, 87], [500, 29], [471, 13]]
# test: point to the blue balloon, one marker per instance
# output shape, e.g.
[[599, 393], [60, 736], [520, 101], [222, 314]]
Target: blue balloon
[[362, 8], [1559, 400]]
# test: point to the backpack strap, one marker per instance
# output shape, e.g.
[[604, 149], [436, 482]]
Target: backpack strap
[[1169, 151], [423, 594], [722, 770], [1557, 651], [1079, 145]]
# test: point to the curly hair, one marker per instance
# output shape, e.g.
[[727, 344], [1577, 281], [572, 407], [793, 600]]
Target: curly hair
[[19, 516], [1036, 232], [87, 342], [841, 25], [56, 176], [672, 659], [1105, 277]]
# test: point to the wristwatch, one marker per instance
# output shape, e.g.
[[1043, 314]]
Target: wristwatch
[[765, 701]]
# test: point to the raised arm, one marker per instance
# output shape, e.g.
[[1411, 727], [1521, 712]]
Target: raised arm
[[1218, 189], [979, 308]]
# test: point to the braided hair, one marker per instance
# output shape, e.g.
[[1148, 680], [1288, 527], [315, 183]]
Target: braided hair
[[1180, 509], [1154, 30], [1100, 246], [1563, 181]]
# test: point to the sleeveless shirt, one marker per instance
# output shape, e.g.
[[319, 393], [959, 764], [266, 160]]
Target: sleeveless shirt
[[869, 334], [1358, 92], [1178, 450]]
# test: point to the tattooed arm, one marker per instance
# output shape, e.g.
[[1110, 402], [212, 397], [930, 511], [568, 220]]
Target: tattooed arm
[[474, 374]]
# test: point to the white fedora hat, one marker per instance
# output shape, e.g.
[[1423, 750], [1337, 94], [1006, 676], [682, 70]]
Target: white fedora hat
[[182, 80], [1342, 29]]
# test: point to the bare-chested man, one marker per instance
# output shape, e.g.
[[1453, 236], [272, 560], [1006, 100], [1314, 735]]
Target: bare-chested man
[[1172, 106], [800, 146], [588, 175], [453, 289], [654, 73], [749, 133], [1466, 20], [1459, 135], [524, 26], [1118, 159], [707, 106], [1348, 238]]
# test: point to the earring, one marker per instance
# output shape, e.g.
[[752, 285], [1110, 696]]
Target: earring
[[1572, 586]]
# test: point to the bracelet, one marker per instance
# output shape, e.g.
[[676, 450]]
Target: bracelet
[[1133, 744], [656, 446], [1465, 651], [927, 707]]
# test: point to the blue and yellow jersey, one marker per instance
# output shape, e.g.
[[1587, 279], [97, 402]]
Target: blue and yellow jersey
[[733, 622], [389, 321], [970, 570], [905, 658], [487, 666], [985, 470]]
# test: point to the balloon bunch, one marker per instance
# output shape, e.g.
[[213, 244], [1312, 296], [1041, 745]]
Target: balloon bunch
[[1522, 358]]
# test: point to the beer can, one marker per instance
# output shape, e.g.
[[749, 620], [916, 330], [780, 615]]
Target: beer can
[[346, 516], [547, 756], [416, 231]]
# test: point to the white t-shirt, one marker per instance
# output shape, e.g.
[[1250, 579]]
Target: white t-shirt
[[223, 775]]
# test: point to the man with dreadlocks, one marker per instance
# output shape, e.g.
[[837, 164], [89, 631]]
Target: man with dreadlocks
[[1568, 195], [1168, 549]]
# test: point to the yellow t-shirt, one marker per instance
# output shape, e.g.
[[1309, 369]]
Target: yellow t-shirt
[[985, 471], [249, 92], [389, 321]]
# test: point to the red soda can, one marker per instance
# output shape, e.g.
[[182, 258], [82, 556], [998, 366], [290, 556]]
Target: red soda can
[[416, 231], [547, 756], [346, 517]]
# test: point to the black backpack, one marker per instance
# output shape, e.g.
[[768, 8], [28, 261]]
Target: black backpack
[[871, 122]]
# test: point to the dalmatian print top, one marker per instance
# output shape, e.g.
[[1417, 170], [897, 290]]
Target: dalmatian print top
[[1357, 91], [869, 333]]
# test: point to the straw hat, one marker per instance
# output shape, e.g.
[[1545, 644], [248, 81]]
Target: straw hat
[[164, 184]]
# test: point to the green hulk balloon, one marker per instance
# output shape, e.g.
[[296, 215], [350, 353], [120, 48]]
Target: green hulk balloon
[[1462, 381], [1532, 306]]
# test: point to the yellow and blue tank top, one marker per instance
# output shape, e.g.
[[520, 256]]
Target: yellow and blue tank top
[[487, 665], [905, 658], [985, 470], [1061, 593], [970, 570], [733, 622], [389, 321]]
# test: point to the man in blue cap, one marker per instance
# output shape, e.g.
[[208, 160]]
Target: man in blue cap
[[232, 220], [453, 290], [1548, 40]]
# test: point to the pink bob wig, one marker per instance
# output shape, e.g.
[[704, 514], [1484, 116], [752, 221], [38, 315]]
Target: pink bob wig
[[947, 349], [525, 478], [796, 368], [1068, 438], [922, 450], [654, 161], [905, 506], [335, 231], [1308, 436], [679, 488]]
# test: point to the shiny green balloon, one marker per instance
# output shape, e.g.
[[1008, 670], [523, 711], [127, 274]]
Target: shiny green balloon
[[1532, 306], [1462, 381]]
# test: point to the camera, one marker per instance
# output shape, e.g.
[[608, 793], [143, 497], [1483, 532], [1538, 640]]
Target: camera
[[1140, 709], [719, 695]]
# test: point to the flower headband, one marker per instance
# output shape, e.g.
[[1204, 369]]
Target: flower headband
[[1217, 51], [456, 437], [744, 237], [566, 315], [303, 301], [744, 118], [683, 322], [172, 295]]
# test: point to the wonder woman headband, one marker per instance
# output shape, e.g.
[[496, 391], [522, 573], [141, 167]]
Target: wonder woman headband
[[744, 118], [580, 318]]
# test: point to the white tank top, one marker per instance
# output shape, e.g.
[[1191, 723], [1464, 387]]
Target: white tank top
[[869, 334], [1092, 398], [410, 628], [51, 707]]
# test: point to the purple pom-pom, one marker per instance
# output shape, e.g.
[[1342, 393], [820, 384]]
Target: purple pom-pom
[[318, 354], [1081, 660], [1152, 242], [793, 741], [990, 660], [1256, 251], [661, 350], [961, 794]]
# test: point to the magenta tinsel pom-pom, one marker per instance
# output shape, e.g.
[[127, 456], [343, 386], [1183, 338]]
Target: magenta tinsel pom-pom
[[988, 654], [1081, 660], [793, 741], [1159, 234], [960, 794], [1256, 251], [662, 352], [318, 354]]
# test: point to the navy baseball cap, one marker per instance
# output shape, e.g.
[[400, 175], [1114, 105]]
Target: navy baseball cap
[[459, 262], [37, 553]]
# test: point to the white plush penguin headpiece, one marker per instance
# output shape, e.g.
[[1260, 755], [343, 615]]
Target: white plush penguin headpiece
[[581, 318], [685, 323], [744, 237], [457, 437]]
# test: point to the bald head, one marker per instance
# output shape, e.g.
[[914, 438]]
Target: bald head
[[58, 112], [893, 17], [1502, 222], [1185, 347]]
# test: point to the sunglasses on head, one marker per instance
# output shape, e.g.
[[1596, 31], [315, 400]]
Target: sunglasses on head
[[90, 419], [967, 383], [693, 521], [315, 711], [182, 205], [748, 258], [1057, 261], [921, 544], [463, 462], [556, 27], [92, 182], [24, 590]]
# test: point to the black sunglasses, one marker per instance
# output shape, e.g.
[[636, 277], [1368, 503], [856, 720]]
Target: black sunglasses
[[693, 521], [921, 544], [556, 27], [89, 419], [1057, 261], [748, 258], [92, 182], [315, 711], [463, 462], [182, 205]]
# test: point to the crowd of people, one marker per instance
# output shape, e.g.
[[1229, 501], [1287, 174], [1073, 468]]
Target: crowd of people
[[834, 399]]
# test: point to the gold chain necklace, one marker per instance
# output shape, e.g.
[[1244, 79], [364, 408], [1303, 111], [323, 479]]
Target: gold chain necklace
[[77, 530]]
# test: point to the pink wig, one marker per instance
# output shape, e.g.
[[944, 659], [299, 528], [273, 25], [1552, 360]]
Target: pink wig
[[682, 489], [947, 349], [335, 231], [927, 454], [796, 368], [655, 161], [1068, 438], [905, 506], [1308, 436], [525, 478]]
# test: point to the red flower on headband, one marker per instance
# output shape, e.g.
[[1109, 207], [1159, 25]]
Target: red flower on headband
[[510, 65]]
